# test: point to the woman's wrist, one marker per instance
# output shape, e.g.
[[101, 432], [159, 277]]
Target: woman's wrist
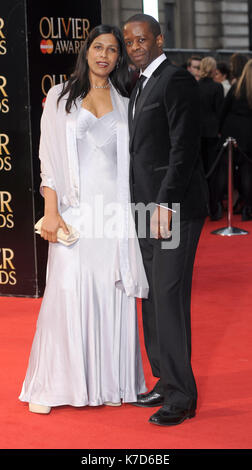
[[50, 203], [51, 212]]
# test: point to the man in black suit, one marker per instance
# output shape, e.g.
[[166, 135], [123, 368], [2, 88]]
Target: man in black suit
[[165, 168]]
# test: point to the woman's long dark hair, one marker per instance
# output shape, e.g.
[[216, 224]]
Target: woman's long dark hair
[[78, 84]]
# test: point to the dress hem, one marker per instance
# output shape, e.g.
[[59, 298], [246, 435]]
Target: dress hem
[[128, 398]]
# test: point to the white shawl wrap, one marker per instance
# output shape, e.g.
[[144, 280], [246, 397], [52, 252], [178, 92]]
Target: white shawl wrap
[[60, 171]]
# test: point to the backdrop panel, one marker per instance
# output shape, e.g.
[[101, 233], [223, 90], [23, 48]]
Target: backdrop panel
[[39, 42]]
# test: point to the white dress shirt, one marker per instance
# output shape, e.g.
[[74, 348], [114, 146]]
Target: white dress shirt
[[149, 71], [226, 85], [152, 67]]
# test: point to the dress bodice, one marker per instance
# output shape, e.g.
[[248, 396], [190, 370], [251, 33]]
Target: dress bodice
[[100, 130], [97, 152]]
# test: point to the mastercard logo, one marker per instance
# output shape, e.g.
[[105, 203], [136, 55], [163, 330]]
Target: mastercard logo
[[46, 46]]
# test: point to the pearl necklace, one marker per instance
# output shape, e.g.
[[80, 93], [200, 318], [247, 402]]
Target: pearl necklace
[[99, 87]]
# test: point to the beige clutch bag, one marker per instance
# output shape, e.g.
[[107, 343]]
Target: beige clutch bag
[[62, 237]]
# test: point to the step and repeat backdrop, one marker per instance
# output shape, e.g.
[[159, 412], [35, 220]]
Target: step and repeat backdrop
[[39, 43]]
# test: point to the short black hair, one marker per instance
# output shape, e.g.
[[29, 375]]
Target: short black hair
[[142, 18], [193, 57], [223, 68]]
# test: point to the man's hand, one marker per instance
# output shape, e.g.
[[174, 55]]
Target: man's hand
[[161, 222]]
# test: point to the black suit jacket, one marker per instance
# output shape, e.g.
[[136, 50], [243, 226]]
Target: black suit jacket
[[165, 140], [236, 120], [211, 102]]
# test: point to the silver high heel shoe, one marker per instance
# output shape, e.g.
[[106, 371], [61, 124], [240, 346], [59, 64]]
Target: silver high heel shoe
[[39, 408], [109, 403]]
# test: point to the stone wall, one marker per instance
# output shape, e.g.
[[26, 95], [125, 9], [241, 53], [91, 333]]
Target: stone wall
[[118, 11], [221, 24], [197, 24], [235, 24]]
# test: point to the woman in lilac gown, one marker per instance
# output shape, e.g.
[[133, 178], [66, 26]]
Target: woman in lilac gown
[[86, 347]]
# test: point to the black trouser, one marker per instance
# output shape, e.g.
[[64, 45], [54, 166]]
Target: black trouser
[[166, 313]]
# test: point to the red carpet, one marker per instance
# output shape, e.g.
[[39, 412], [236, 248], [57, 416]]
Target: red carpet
[[222, 358]]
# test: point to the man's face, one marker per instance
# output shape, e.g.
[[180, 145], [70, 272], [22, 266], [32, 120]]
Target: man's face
[[142, 46], [195, 68]]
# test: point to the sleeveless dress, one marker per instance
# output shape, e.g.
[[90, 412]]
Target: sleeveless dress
[[86, 346]]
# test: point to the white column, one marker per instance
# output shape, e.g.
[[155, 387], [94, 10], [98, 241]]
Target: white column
[[150, 7]]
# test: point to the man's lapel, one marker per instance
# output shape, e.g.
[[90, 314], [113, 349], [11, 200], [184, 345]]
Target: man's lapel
[[153, 80], [131, 106]]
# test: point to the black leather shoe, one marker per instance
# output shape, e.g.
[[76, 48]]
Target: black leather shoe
[[149, 399], [171, 415]]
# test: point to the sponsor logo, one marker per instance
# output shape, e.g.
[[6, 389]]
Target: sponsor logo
[[6, 212], [7, 267], [46, 46], [5, 157], [62, 35], [50, 80], [3, 47], [4, 102]]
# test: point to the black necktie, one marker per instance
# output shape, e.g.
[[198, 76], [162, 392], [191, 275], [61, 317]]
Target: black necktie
[[139, 88]]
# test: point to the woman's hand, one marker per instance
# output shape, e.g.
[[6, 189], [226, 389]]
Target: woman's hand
[[51, 224], [52, 220]]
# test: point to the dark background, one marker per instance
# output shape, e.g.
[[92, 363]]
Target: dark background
[[24, 66]]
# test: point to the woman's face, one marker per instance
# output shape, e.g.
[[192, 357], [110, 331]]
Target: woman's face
[[213, 73], [102, 55], [219, 77]]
